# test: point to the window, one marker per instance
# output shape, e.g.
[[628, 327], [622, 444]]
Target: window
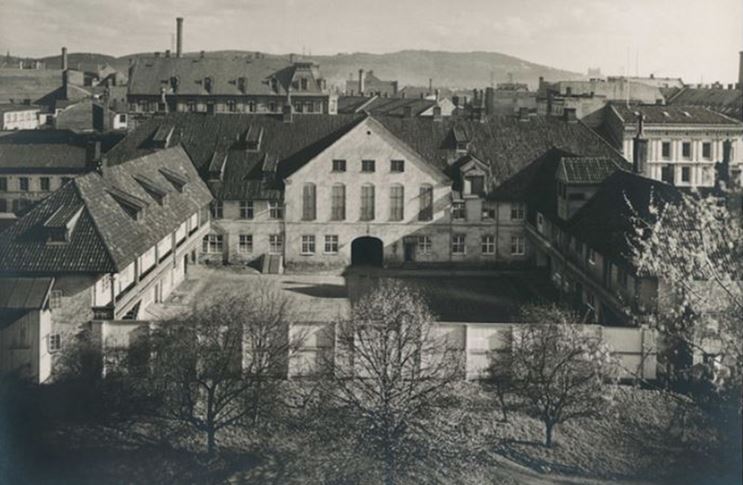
[[338, 202], [246, 209], [217, 209], [518, 246], [275, 244], [191, 107], [303, 84], [666, 174], [309, 107], [275, 211], [666, 150], [308, 244], [231, 106], [3, 184], [397, 201], [55, 342], [517, 211], [488, 213], [457, 210], [339, 165], [424, 244], [251, 106], [488, 244], [245, 243], [368, 166], [477, 184], [367, 202], [55, 299], [3, 205], [272, 106], [686, 174], [707, 150], [309, 208], [686, 150], [590, 256], [397, 165], [24, 184], [212, 244], [425, 212], [457, 244], [45, 183], [331, 244]]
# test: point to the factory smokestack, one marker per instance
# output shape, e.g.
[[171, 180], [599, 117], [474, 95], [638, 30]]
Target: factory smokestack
[[64, 58], [179, 37]]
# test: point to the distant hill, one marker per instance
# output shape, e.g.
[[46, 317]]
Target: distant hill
[[409, 67]]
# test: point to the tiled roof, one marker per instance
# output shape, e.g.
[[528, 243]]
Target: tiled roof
[[150, 75], [10, 107], [604, 223], [504, 143], [585, 170], [24, 293], [383, 106], [17, 85], [48, 151], [726, 101], [105, 238], [671, 115]]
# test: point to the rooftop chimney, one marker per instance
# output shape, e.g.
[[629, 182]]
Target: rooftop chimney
[[569, 115], [179, 37], [430, 85], [64, 58], [361, 82], [167, 52], [640, 148]]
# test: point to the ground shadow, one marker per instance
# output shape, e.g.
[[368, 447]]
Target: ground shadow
[[324, 290]]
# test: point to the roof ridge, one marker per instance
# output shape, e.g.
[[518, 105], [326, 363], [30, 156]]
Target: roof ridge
[[111, 258]]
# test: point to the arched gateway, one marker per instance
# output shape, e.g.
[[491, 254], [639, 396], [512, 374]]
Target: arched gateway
[[367, 251]]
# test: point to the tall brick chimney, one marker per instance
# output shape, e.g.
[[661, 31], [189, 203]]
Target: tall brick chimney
[[361, 82], [179, 37], [64, 58], [640, 148]]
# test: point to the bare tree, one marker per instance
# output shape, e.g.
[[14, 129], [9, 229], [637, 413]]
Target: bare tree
[[391, 367], [215, 367], [558, 369]]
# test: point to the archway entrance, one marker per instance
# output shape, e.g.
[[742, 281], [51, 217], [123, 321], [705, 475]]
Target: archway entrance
[[367, 251]]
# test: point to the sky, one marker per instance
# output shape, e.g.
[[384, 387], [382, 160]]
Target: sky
[[698, 40]]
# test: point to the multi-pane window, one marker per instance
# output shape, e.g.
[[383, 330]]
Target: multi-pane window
[[368, 166], [55, 342], [331, 244], [231, 106], [397, 165], [424, 245], [457, 244], [3, 184], [309, 207], [217, 209], [245, 243], [24, 184], [518, 246], [666, 150], [686, 150], [212, 244], [275, 210], [246, 209], [457, 210], [55, 299], [517, 211], [707, 150], [488, 244], [45, 183], [339, 165], [251, 106], [308, 244], [367, 202], [426, 203], [275, 243], [686, 174], [338, 202], [397, 203]]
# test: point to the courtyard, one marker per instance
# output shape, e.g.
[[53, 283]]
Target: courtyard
[[455, 296]]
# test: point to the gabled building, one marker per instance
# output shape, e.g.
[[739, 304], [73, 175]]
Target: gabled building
[[104, 246], [329, 191], [18, 117], [368, 84]]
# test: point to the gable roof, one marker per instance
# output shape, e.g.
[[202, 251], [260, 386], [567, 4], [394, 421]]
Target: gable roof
[[671, 115], [585, 170], [726, 101], [104, 238], [381, 106], [149, 76]]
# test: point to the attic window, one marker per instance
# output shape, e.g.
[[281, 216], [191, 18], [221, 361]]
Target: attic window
[[161, 138], [58, 227], [253, 137], [666, 114], [152, 188], [178, 180], [133, 206], [461, 140], [208, 84], [303, 82], [241, 84]]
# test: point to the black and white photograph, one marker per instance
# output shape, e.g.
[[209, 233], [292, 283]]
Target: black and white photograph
[[393, 242]]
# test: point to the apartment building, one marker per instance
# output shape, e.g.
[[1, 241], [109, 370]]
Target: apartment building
[[684, 144], [105, 246], [329, 191], [18, 117]]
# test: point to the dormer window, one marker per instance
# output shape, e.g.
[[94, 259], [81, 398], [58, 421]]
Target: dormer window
[[208, 84], [59, 226], [152, 189], [253, 139], [461, 140], [274, 85], [476, 184], [178, 180], [303, 83], [241, 84], [174, 84], [133, 206]]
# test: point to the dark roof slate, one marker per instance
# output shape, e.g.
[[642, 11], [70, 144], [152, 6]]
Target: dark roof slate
[[24, 293], [585, 170], [672, 115]]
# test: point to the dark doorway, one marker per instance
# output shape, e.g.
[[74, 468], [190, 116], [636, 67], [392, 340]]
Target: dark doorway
[[367, 251], [409, 252]]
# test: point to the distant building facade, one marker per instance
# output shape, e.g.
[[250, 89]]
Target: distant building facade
[[368, 84], [18, 117]]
